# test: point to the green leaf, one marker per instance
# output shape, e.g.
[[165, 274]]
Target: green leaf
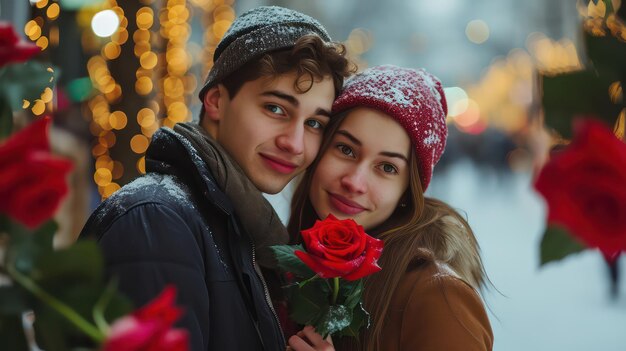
[[360, 318], [110, 298], [308, 302], [13, 300], [557, 243], [81, 263], [586, 93], [351, 292], [27, 81], [26, 248], [5, 223], [12, 335], [333, 319], [608, 54], [49, 332], [289, 262], [6, 119]]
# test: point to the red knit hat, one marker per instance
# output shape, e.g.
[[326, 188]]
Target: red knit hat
[[414, 98]]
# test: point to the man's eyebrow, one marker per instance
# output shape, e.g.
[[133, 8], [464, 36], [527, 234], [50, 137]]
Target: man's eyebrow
[[284, 96], [323, 112], [383, 153], [294, 101]]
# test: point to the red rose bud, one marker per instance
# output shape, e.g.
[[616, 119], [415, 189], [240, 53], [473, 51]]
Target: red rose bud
[[340, 248], [583, 186], [149, 328], [32, 181], [11, 48]]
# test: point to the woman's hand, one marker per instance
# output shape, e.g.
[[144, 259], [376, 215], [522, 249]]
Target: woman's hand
[[308, 340]]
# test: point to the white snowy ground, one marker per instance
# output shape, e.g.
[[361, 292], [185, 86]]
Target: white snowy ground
[[564, 306]]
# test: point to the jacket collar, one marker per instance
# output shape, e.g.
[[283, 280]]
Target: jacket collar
[[189, 151]]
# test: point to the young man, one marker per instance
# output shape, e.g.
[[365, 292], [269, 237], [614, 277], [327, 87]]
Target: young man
[[197, 218]]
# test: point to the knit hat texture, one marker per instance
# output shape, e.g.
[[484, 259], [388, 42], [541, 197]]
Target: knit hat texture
[[414, 98], [257, 32]]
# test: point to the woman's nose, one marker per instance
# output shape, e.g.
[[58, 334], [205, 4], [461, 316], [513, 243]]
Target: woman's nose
[[355, 180]]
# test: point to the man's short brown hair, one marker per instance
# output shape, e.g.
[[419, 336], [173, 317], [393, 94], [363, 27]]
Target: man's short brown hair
[[311, 58]]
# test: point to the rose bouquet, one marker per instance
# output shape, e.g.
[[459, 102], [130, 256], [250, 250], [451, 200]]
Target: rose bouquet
[[329, 267]]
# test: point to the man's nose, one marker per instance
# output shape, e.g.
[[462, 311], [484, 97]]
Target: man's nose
[[292, 139]]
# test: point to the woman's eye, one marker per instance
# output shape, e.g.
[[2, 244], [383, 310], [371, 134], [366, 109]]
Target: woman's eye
[[346, 150], [275, 109], [315, 124], [388, 168]]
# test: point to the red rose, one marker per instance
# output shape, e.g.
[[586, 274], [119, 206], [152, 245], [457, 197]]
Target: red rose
[[340, 248], [585, 187], [32, 181], [149, 328], [11, 48]]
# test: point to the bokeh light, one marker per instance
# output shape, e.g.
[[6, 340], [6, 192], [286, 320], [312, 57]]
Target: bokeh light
[[477, 31], [457, 100], [105, 23]]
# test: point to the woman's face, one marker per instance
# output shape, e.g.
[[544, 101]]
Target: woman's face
[[364, 171]]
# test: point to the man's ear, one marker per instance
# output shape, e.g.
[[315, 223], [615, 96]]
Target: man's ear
[[212, 102]]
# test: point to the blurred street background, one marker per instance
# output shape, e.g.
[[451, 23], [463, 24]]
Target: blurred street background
[[127, 67]]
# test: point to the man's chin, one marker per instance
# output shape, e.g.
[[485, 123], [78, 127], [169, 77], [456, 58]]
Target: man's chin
[[273, 186]]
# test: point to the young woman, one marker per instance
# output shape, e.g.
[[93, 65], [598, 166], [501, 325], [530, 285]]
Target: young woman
[[375, 164]]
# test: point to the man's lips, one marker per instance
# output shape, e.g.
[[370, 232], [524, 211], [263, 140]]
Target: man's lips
[[344, 205], [279, 165]]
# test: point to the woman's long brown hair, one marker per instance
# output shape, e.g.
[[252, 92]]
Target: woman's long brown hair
[[423, 224]]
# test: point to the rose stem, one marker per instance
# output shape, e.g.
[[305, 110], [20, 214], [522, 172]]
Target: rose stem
[[57, 305], [335, 289], [305, 282]]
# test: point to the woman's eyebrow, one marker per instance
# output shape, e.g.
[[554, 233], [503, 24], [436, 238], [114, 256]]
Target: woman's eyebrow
[[394, 154], [349, 136], [383, 153]]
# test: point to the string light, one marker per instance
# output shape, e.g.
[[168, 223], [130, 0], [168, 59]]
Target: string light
[[46, 13], [163, 73], [176, 63], [596, 22], [111, 23], [105, 23]]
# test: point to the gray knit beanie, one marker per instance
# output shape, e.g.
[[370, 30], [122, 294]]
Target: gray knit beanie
[[257, 32]]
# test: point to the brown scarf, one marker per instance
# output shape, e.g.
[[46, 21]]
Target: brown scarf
[[255, 213]]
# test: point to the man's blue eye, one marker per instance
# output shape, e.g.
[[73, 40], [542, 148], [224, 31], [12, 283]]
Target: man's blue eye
[[275, 109], [314, 124]]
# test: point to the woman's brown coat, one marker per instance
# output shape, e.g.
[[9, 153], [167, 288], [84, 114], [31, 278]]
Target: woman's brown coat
[[434, 310]]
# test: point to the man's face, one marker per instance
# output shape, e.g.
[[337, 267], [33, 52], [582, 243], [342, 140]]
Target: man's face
[[273, 131]]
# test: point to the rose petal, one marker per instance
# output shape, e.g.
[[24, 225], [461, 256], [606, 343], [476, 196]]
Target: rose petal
[[320, 269], [129, 334], [173, 340], [33, 137], [370, 263], [583, 187]]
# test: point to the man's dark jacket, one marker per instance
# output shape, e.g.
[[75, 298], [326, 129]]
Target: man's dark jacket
[[175, 226]]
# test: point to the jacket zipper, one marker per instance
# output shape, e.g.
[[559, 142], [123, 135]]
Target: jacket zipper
[[268, 300]]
